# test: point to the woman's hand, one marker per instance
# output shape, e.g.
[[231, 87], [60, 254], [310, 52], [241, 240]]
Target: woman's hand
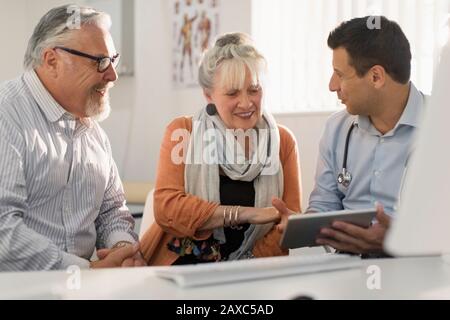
[[249, 215], [261, 215]]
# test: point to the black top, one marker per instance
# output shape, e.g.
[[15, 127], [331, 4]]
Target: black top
[[232, 193]]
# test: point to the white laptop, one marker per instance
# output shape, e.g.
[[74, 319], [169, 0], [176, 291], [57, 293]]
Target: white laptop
[[422, 224]]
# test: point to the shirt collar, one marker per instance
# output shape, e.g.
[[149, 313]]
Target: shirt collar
[[49, 106], [410, 116], [52, 109]]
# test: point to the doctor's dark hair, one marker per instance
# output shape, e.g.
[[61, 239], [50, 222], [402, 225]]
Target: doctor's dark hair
[[368, 45]]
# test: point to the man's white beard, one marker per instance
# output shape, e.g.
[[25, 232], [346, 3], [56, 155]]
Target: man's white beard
[[98, 110]]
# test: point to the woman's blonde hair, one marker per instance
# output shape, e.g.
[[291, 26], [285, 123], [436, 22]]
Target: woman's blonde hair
[[235, 55]]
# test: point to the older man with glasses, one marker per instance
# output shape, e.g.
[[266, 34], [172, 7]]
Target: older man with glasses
[[60, 193]]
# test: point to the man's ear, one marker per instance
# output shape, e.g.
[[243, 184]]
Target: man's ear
[[207, 94], [50, 61], [378, 76]]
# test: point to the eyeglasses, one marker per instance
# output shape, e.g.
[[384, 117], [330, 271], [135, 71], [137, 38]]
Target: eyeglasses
[[103, 62]]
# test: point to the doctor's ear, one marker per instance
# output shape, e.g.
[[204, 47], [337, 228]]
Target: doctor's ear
[[378, 76]]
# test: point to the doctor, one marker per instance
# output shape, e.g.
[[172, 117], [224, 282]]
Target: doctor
[[365, 149]]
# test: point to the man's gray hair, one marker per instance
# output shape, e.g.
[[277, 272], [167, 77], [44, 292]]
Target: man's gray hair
[[57, 26]]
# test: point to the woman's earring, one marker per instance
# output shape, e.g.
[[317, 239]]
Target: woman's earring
[[211, 109]]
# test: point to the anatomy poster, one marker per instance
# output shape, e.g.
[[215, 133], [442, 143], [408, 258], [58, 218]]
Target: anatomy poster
[[195, 27]]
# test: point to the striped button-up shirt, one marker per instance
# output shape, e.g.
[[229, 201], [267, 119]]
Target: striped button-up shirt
[[60, 193]]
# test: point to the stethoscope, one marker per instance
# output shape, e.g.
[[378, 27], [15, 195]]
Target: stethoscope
[[345, 177]]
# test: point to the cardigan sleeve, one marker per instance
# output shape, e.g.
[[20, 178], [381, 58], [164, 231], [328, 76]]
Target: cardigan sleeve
[[177, 212]]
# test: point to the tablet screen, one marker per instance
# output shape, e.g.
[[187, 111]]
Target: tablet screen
[[302, 229]]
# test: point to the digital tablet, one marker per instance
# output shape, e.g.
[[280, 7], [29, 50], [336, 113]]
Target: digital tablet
[[302, 229]]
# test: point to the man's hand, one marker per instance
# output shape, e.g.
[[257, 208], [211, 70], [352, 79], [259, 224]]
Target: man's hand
[[284, 213], [350, 238], [126, 256]]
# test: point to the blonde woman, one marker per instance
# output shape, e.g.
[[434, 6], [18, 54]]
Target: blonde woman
[[220, 170]]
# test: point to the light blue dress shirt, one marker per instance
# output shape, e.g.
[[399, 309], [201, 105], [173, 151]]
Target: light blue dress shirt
[[377, 162], [60, 192]]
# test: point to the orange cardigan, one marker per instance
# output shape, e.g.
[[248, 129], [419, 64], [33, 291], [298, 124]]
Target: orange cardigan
[[178, 214]]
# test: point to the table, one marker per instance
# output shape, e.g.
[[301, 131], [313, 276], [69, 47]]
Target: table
[[405, 278]]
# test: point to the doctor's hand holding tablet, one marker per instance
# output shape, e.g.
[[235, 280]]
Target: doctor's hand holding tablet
[[348, 231]]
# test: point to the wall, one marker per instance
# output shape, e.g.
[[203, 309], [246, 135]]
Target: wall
[[155, 99], [140, 123], [307, 129], [12, 33]]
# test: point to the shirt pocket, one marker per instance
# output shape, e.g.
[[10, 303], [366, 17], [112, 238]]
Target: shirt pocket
[[96, 177]]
